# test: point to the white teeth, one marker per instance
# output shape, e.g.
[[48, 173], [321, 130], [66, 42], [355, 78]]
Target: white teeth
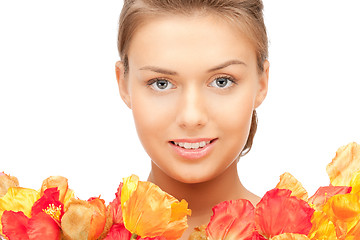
[[188, 145]]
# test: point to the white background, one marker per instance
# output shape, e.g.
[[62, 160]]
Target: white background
[[61, 114]]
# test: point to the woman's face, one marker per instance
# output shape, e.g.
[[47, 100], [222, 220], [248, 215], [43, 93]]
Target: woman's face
[[192, 85]]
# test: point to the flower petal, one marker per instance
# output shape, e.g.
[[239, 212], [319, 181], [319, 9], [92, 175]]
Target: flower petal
[[15, 225], [129, 186], [345, 163], [50, 204], [18, 199], [290, 236], [61, 183], [344, 211], [355, 183], [179, 210], [98, 218], [117, 232], [42, 226], [6, 182], [232, 220], [323, 228], [354, 232], [84, 219], [278, 212], [115, 207], [288, 181], [154, 238], [148, 211], [344, 207], [324, 193]]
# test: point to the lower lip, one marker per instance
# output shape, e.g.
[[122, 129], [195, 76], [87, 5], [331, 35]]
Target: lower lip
[[193, 153]]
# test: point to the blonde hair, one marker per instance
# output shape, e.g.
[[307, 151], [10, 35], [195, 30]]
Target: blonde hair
[[245, 14]]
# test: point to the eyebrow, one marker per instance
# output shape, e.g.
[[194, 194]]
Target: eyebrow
[[169, 72], [159, 70], [226, 64]]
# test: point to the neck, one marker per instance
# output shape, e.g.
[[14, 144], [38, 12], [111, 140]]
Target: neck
[[205, 195]]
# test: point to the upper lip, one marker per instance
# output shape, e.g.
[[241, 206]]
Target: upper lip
[[192, 140]]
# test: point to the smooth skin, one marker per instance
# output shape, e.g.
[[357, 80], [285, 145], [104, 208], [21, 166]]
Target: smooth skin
[[192, 78]]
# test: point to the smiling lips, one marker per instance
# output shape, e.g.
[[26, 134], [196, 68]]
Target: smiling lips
[[192, 148]]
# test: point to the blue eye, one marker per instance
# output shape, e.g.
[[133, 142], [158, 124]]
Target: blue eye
[[222, 82], [160, 84]]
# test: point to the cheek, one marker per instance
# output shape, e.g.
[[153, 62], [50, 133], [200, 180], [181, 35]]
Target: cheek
[[234, 111], [234, 121], [152, 115]]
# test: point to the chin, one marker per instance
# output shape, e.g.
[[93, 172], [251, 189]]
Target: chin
[[195, 178]]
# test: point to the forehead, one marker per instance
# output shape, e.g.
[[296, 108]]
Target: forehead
[[183, 39]]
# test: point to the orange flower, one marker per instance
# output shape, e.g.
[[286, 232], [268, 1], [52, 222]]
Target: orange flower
[[278, 212], [232, 220], [62, 184], [288, 181], [150, 212], [85, 219], [345, 163], [6, 182]]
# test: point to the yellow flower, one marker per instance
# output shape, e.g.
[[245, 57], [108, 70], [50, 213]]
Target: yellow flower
[[355, 183], [344, 211], [149, 212], [18, 199], [354, 232], [343, 166], [61, 183], [323, 228], [288, 181]]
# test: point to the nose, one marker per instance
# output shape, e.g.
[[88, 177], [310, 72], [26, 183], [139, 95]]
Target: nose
[[192, 110]]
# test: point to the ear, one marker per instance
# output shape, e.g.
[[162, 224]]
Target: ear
[[122, 83], [263, 85]]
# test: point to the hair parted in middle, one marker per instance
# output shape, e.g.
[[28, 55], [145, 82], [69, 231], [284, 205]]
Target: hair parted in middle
[[246, 15]]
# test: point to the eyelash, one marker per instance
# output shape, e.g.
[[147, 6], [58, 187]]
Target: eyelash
[[152, 81], [229, 78]]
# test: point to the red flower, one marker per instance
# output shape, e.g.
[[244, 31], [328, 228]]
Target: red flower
[[16, 226], [50, 204], [115, 207], [232, 220], [118, 231], [44, 223], [278, 212], [257, 236], [324, 193]]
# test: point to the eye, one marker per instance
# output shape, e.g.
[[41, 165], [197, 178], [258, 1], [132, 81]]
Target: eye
[[222, 82], [160, 84]]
